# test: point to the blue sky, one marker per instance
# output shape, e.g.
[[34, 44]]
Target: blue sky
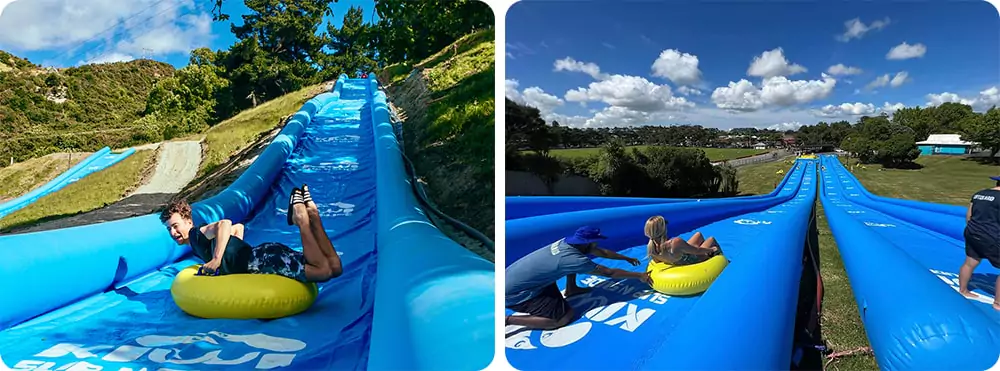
[[66, 33], [617, 64]]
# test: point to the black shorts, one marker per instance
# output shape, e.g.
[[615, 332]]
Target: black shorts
[[979, 249], [549, 303]]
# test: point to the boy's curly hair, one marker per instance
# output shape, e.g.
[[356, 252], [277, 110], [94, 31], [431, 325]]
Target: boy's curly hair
[[180, 206]]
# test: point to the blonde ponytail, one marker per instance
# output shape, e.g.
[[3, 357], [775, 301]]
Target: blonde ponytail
[[656, 231]]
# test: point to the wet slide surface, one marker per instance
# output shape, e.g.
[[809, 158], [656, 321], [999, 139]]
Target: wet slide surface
[[97, 161], [138, 326], [623, 324]]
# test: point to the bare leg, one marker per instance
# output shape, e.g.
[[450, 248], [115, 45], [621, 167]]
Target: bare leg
[[965, 274], [317, 266], [326, 246], [709, 243], [572, 288], [238, 230], [539, 322], [696, 239]]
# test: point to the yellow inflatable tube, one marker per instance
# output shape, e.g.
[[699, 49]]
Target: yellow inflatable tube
[[686, 279], [241, 296]]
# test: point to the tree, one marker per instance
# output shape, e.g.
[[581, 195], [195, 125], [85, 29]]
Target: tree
[[352, 44], [984, 129]]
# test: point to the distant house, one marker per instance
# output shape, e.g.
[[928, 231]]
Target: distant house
[[760, 145], [945, 144]]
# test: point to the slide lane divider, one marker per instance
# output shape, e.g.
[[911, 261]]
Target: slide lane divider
[[435, 300], [913, 320]]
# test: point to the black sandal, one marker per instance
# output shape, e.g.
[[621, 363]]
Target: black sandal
[[306, 197], [294, 198]]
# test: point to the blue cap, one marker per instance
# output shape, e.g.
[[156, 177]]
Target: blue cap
[[585, 235], [997, 178]]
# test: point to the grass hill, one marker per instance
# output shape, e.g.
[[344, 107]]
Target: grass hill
[[48, 110], [446, 103]]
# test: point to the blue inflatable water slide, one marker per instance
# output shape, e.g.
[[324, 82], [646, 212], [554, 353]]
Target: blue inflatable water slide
[[97, 161], [745, 320], [97, 297], [902, 258]]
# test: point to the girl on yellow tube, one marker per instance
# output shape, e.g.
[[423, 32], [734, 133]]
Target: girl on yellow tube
[[676, 251]]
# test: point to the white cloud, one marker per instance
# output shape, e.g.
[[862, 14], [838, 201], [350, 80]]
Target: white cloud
[[841, 69], [855, 29], [779, 91], [108, 58], [572, 65], [3, 4], [906, 51], [853, 109], [892, 108], [773, 63], [687, 90], [984, 101], [119, 28], [889, 80], [533, 96], [632, 92], [785, 126], [681, 68], [857, 109], [739, 96]]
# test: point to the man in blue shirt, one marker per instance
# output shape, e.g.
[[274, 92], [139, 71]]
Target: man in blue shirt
[[982, 237], [531, 281]]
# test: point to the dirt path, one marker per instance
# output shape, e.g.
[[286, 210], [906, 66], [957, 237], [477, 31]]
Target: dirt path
[[176, 165]]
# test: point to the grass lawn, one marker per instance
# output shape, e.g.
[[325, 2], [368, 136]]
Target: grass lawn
[[92, 192], [232, 135], [22, 177], [949, 180], [714, 154]]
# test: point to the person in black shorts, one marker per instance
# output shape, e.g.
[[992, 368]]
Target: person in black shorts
[[531, 280], [982, 237], [221, 244]]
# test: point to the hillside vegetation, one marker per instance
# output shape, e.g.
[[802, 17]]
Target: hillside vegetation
[[276, 53], [84, 108], [447, 101]]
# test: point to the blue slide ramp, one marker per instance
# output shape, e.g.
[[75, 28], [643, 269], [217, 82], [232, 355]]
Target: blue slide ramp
[[102, 302], [905, 281], [745, 320], [945, 219], [97, 161]]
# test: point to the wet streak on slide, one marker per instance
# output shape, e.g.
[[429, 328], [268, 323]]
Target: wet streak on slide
[[103, 301], [905, 280], [97, 161], [518, 207], [622, 324]]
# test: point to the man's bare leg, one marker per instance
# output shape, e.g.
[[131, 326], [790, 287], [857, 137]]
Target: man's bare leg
[[572, 288], [539, 322], [965, 274], [317, 266], [319, 233]]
